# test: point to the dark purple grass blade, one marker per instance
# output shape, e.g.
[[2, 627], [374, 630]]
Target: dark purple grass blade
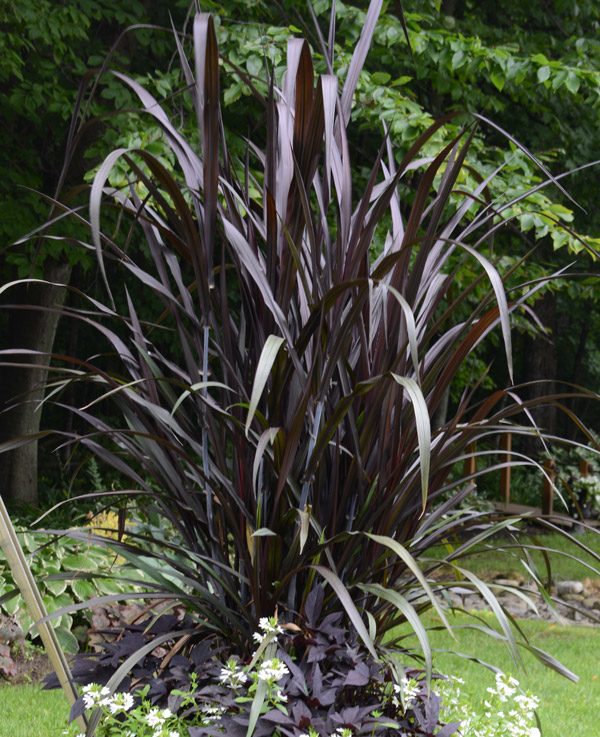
[[358, 58]]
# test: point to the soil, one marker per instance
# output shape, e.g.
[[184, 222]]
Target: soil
[[28, 668], [574, 602], [20, 663]]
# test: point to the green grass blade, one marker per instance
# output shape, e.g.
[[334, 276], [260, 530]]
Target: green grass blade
[[351, 610]]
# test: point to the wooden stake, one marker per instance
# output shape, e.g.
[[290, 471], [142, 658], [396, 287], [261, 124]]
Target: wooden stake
[[548, 487], [505, 456], [10, 545], [470, 464]]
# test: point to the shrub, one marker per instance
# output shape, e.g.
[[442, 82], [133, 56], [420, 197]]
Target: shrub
[[68, 572], [287, 438], [578, 474]]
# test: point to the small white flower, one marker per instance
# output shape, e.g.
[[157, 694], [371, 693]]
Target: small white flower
[[212, 713], [88, 701], [120, 702], [527, 702], [174, 733], [269, 626], [232, 676], [154, 718], [272, 670], [280, 696], [95, 695], [407, 690]]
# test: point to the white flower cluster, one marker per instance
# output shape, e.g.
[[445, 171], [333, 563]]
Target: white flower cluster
[[157, 717], [96, 695], [506, 712], [339, 732], [591, 483], [449, 691], [405, 692], [506, 687], [120, 703], [232, 675], [212, 713], [272, 670], [267, 626], [527, 702]]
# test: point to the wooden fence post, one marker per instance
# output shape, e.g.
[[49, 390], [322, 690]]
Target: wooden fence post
[[470, 463], [548, 488], [506, 448]]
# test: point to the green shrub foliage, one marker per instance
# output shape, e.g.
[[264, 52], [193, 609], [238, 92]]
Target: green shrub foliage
[[68, 571]]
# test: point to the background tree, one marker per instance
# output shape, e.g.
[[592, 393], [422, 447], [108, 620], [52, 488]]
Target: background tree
[[532, 70], [47, 50]]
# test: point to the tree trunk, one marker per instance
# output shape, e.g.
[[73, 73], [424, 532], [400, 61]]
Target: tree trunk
[[21, 389], [448, 7]]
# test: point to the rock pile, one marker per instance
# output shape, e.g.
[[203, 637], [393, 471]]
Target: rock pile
[[572, 601]]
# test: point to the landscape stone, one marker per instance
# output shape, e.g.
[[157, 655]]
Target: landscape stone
[[573, 597], [508, 582], [569, 587], [578, 603]]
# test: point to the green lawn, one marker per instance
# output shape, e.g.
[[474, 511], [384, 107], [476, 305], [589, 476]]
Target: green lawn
[[488, 560], [27, 711], [567, 709]]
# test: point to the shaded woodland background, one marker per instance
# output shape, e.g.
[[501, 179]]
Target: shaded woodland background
[[533, 69]]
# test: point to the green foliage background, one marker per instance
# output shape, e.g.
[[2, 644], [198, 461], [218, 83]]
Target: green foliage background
[[533, 69]]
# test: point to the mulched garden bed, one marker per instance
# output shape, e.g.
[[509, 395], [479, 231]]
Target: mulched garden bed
[[24, 666]]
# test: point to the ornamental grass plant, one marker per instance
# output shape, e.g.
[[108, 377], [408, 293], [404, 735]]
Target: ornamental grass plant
[[273, 396]]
